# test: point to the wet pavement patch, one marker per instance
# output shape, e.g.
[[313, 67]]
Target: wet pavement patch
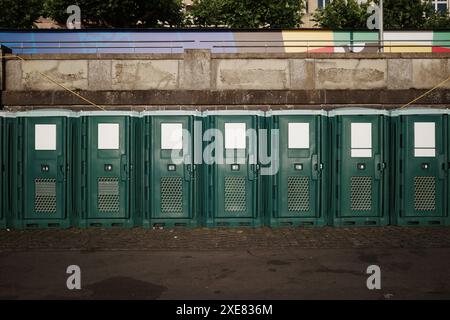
[[277, 263], [125, 288]]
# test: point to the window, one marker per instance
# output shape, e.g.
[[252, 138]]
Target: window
[[361, 140], [322, 3], [298, 135], [440, 6], [45, 137], [108, 136], [235, 136], [424, 139], [172, 136]]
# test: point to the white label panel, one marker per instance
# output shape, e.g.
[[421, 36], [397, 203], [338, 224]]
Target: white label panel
[[361, 135], [235, 137], [45, 137], [108, 136], [361, 153], [298, 135], [424, 135], [172, 136], [424, 152]]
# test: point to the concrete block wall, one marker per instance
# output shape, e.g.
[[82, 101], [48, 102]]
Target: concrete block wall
[[297, 79]]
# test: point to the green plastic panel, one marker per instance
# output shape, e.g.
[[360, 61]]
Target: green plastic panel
[[360, 164], [170, 190], [232, 189], [297, 193], [105, 166], [42, 179], [421, 179]]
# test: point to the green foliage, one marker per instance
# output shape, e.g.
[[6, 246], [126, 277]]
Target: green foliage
[[398, 15], [19, 14], [438, 21], [342, 14], [405, 14], [119, 13], [248, 13]]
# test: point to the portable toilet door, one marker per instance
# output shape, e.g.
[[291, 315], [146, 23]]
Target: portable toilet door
[[42, 179], [106, 182], [297, 192], [232, 184], [360, 159], [171, 187], [421, 143]]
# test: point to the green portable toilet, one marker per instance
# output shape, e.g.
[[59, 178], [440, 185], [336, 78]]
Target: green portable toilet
[[171, 176], [232, 185], [360, 154], [6, 122], [106, 189], [420, 137], [297, 192], [42, 183]]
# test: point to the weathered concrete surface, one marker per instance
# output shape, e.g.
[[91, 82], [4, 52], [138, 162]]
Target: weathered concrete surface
[[400, 75], [70, 73], [302, 74], [252, 74], [142, 75], [351, 74], [223, 99], [236, 274], [428, 73], [13, 76], [196, 67], [100, 75], [198, 77]]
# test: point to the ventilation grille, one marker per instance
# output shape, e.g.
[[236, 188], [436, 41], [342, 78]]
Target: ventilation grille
[[425, 193], [298, 194], [172, 194], [361, 193], [108, 194], [235, 194], [45, 195]]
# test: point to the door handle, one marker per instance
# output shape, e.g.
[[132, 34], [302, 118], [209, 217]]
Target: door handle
[[189, 172], [315, 167], [252, 169], [123, 168], [378, 167], [61, 174], [442, 166]]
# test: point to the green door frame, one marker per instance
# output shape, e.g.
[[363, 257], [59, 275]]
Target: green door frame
[[241, 204], [360, 185], [171, 189], [421, 182], [106, 174], [297, 194], [43, 183]]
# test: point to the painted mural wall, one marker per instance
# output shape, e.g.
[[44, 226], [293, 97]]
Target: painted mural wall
[[32, 42]]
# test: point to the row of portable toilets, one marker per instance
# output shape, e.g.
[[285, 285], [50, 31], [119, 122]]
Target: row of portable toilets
[[346, 167]]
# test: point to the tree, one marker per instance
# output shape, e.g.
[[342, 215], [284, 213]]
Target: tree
[[19, 14], [342, 14], [119, 13], [208, 13], [248, 13], [405, 14], [438, 21]]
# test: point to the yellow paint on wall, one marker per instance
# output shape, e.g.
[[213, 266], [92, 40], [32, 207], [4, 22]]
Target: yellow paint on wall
[[392, 46], [302, 41]]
